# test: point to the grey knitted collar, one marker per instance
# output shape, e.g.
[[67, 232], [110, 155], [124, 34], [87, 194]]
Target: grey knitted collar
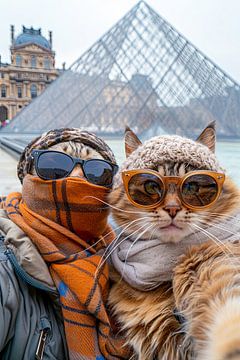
[[161, 149], [145, 263]]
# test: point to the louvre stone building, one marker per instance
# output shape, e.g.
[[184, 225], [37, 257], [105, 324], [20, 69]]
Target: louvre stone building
[[31, 70], [142, 73]]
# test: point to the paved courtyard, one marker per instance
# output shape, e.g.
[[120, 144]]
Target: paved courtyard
[[8, 177]]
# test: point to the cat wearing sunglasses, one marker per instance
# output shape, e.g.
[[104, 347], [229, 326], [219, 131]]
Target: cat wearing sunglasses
[[163, 205]]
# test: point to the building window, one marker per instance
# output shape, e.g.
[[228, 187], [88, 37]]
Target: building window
[[19, 91], [33, 61], [2, 75], [3, 115], [3, 91], [18, 60], [33, 91], [46, 63]]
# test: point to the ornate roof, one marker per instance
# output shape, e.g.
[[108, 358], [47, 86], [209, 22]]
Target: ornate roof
[[29, 36]]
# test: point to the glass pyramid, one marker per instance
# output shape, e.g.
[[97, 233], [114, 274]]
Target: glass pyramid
[[142, 73]]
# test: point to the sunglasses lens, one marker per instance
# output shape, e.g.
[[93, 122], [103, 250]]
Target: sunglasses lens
[[52, 165], [99, 172], [199, 190], [145, 189]]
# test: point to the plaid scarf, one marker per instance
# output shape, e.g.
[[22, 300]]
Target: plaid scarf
[[49, 212]]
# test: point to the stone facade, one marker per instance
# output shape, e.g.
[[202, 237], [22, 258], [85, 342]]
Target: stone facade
[[31, 70]]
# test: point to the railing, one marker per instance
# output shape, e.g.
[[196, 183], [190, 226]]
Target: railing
[[11, 147]]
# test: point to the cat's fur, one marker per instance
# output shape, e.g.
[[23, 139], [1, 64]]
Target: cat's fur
[[148, 318], [77, 149]]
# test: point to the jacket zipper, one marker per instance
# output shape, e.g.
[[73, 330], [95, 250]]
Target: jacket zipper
[[44, 331], [35, 283], [41, 344]]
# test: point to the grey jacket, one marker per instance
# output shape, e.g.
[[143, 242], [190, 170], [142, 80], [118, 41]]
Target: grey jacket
[[31, 325]]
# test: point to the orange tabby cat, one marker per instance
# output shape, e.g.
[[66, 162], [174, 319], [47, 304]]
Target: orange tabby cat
[[186, 314]]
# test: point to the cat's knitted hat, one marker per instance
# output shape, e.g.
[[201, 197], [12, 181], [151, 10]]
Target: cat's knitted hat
[[169, 148], [56, 136]]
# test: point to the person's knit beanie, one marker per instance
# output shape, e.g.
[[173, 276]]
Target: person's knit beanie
[[169, 148], [54, 137]]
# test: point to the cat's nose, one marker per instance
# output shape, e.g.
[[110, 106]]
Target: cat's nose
[[172, 210], [77, 171], [172, 204]]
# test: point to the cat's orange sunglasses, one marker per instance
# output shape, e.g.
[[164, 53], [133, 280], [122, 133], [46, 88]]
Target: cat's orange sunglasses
[[196, 189]]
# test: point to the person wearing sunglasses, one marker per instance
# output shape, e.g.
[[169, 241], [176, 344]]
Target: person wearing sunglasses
[[53, 285]]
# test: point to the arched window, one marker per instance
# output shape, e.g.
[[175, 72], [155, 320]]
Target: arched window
[[33, 61], [33, 91], [46, 63], [19, 91], [18, 60], [3, 91], [3, 114]]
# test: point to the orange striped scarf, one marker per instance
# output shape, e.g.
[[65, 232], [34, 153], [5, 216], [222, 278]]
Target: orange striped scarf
[[54, 214]]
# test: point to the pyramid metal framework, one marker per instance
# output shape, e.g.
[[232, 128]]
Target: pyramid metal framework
[[142, 73]]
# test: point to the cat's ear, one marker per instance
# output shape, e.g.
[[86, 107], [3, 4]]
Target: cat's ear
[[208, 136], [132, 142]]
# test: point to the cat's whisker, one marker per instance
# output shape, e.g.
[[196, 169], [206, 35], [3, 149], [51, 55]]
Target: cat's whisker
[[227, 255], [115, 228], [136, 231], [154, 229], [129, 224], [230, 216], [213, 237], [217, 226], [103, 260], [217, 221], [133, 243], [215, 240], [114, 207], [102, 237], [217, 215]]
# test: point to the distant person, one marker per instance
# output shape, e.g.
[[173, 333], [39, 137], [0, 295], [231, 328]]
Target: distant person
[[52, 303]]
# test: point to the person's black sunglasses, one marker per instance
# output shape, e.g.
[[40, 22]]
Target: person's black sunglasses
[[52, 165]]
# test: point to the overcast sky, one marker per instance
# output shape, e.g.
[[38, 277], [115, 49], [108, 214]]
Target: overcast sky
[[212, 25]]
